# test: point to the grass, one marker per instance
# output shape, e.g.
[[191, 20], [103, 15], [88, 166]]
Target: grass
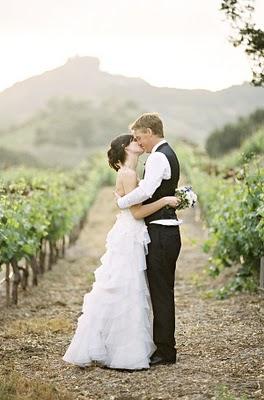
[[198, 279], [40, 326], [14, 386], [223, 393]]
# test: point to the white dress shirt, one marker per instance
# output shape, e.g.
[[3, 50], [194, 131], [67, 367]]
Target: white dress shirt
[[157, 168]]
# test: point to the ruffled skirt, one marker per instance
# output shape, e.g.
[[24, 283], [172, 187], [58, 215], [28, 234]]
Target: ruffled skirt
[[115, 328]]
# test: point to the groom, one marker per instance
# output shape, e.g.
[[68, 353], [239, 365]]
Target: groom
[[160, 179]]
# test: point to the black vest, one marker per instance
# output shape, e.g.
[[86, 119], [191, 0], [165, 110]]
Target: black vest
[[167, 186]]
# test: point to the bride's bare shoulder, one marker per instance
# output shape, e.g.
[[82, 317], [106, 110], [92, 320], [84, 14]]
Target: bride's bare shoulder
[[127, 173], [127, 176]]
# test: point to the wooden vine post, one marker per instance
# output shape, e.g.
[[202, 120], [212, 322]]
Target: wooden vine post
[[261, 277], [7, 281], [16, 281]]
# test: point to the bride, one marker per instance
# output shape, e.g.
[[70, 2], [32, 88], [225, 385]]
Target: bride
[[115, 328]]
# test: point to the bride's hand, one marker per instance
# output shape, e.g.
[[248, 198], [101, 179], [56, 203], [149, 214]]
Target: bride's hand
[[172, 201]]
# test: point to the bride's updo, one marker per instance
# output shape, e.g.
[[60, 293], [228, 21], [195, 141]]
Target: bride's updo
[[117, 154]]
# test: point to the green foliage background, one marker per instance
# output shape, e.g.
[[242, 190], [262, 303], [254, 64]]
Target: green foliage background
[[232, 136], [231, 195], [35, 204]]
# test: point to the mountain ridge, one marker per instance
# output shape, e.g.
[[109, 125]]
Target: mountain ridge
[[191, 113]]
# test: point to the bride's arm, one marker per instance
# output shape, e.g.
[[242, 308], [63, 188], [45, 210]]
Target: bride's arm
[[139, 211]]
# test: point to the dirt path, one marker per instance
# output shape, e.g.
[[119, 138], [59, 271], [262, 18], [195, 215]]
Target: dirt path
[[220, 343]]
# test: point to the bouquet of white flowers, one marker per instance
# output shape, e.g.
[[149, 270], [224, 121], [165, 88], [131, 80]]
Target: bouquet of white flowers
[[187, 196]]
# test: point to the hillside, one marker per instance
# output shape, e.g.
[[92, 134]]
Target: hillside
[[187, 113]]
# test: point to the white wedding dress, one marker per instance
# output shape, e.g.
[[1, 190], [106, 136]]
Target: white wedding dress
[[115, 328]]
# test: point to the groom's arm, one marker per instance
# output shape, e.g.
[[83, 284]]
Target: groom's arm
[[155, 168]]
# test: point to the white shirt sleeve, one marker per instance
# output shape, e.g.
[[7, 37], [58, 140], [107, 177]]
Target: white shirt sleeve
[[157, 168]]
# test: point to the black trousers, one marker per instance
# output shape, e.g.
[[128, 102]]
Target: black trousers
[[163, 252]]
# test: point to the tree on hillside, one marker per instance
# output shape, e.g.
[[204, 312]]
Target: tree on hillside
[[246, 34], [231, 136]]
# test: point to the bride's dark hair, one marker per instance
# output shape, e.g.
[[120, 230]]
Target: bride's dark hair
[[117, 154]]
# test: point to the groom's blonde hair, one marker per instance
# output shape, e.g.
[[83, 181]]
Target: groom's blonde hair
[[149, 120]]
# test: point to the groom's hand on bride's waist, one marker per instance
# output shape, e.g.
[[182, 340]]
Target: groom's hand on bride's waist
[[117, 195]]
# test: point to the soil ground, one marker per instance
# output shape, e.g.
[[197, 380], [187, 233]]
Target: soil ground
[[220, 343]]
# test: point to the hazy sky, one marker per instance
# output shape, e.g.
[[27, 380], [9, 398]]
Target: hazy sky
[[176, 43]]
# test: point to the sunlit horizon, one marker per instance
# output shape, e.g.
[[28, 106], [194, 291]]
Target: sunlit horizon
[[166, 43], [108, 68]]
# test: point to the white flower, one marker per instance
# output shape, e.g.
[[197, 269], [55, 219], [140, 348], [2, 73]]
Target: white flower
[[187, 196]]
